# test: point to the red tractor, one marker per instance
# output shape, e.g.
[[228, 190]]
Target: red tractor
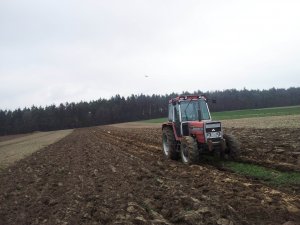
[[190, 132]]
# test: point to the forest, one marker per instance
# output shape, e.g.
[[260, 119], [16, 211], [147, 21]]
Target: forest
[[133, 108]]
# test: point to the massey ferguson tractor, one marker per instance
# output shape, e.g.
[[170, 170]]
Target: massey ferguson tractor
[[190, 132]]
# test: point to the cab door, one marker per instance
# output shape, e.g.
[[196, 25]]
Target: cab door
[[177, 120]]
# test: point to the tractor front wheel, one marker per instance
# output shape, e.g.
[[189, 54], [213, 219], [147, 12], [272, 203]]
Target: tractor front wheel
[[232, 147], [189, 150], [169, 144]]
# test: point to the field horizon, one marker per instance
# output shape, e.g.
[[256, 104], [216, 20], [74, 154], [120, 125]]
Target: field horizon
[[244, 113]]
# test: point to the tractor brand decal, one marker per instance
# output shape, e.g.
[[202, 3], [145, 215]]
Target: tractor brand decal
[[197, 128]]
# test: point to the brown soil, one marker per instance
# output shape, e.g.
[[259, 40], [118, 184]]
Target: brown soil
[[109, 175]]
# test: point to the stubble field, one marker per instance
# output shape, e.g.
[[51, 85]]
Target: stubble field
[[118, 175]]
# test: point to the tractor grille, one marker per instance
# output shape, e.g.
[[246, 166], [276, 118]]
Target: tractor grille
[[213, 127]]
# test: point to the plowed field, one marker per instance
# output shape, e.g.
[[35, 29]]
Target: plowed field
[[110, 175]]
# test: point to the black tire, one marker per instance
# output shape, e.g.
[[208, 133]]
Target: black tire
[[232, 147], [189, 150], [169, 144]]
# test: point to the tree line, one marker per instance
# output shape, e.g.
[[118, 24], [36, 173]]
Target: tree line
[[135, 107]]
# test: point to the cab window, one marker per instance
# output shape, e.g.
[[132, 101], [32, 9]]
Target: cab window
[[171, 109]]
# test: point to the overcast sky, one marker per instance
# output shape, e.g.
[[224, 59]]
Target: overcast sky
[[54, 51]]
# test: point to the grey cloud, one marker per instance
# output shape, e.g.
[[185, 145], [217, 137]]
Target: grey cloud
[[58, 51]]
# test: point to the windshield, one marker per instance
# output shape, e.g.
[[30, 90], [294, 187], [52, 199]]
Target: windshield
[[189, 110]]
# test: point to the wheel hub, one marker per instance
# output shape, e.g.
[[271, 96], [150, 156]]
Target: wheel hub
[[165, 145]]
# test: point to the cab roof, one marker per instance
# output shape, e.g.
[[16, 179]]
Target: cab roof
[[187, 97]]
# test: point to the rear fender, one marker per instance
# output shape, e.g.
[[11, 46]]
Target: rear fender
[[172, 126]]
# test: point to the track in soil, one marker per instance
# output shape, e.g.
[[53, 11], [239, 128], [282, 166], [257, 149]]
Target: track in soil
[[108, 175], [276, 147]]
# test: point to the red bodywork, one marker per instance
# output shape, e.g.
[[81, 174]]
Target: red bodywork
[[196, 128]]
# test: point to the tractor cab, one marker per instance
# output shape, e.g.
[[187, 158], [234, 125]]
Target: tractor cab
[[188, 114], [188, 108]]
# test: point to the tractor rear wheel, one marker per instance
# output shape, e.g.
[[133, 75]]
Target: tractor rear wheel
[[169, 144], [189, 150], [232, 147]]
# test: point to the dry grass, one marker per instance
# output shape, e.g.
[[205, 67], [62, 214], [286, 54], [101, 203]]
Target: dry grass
[[137, 125], [18, 148], [13, 136]]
